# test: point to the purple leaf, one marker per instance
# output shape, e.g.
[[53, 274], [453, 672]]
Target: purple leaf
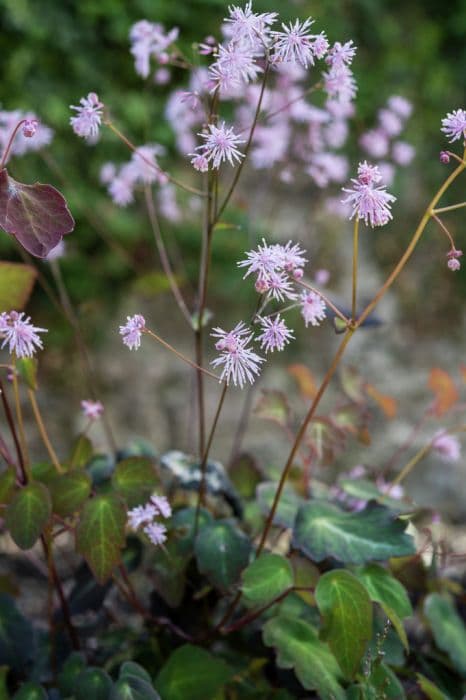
[[37, 215]]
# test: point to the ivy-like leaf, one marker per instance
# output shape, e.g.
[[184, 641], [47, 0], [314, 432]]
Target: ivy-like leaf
[[323, 530], [298, 647], [69, 491], [194, 673], [100, 535], [347, 611], [265, 579], [135, 479], [448, 629], [28, 514], [36, 215], [16, 284], [222, 552]]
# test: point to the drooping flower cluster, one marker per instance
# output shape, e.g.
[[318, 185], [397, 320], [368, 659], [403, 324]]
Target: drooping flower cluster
[[132, 331], [143, 517], [368, 198], [453, 256], [33, 135], [150, 40], [86, 123], [92, 410], [448, 447], [454, 125], [21, 336]]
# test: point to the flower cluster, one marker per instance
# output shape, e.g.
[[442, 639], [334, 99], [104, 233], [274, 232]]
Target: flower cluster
[[453, 256], [133, 330], [220, 145], [92, 410], [19, 334], [150, 40], [448, 447], [368, 198], [88, 118], [144, 517], [454, 125], [23, 142]]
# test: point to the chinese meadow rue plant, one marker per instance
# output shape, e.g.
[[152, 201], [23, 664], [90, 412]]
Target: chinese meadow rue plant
[[240, 579]]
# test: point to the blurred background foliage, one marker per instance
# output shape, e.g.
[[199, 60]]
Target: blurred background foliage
[[55, 52]]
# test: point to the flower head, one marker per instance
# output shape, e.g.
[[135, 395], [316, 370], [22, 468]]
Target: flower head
[[454, 125], [162, 505], [141, 515], [220, 145], [30, 127], [92, 409], [370, 201], [294, 44], [240, 363], [244, 25], [19, 334], [453, 261], [88, 119], [156, 532], [235, 65], [144, 517], [132, 331], [312, 308], [448, 447], [263, 261], [341, 54], [275, 334]]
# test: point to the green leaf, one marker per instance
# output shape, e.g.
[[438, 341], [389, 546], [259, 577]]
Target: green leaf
[[365, 490], [28, 514], [135, 479], [429, 689], [69, 491], [383, 588], [16, 283], [448, 629], [130, 668], [222, 552], [287, 507], [72, 668], [92, 684], [194, 673], [347, 611], [7, 485], [100, 535], [81, 452], [245, 476], [385, 683], [265, 579], [134, 683], [323, 530], [16, 636], [27, 368], [4, 694], [298, 647], [183, 525], [30, 691]]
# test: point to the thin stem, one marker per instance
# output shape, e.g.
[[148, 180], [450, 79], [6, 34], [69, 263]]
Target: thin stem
[[19, 418], [43, 432], [355, 269], [155, 224], [181, 356], [203, 467], [330, 304], [151, 163], [6, 152], [450, 208], [444, 229], [14, 435]]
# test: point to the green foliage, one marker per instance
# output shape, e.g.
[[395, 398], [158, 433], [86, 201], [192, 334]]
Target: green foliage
[[222, 552], [298, 646], [265, 579], [16, 284], [16, 636], [347, 612], [323, 530], [69, 491], [28, 514], [30, 691], [287, 508], [68, 677], [92, 683], [100, 535], [7, 484], [448, 629], [27, 368], [81, 452], [135, 479], [192, 672]]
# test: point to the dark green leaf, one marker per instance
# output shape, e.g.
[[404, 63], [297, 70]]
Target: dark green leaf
[[287, 507], [93, 684], [183, 525], [16, 283], [323, 530], [81, 452], [222, 552], [133, 688], [7, 485], [448, 628], [265, 579], [298, 647], [4, 694], [28, 514], [27, 368], [30, 691], [72, 668], [69, 491], [429, 689], [100, 535], [194, 673], [16, 636], [347, 611], [135, 479], [245, 476], [385, 683], [365, 490], [129, 668]]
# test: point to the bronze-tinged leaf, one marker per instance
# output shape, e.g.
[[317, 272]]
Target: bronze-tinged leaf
[[387, 403], [36, 215], [305, 380], [445, 391]]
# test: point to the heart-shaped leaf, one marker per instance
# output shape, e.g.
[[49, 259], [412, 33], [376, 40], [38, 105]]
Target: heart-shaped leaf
[[347, 611], [135, 479], [194, 673], [265, 579], [16, 283], [28, 513], [36, 215], [69, 491], [222, 552], [323, 530]]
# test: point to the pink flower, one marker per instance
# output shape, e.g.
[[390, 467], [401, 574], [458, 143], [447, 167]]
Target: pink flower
[[19, 334], [162, 506], [294, 44], [448, 447], [403, 153], [107, 172], [390, 122], [234, 66], [156, 532], [341, 54], [57, 252], [220, 145], [312, 308], [266, 259], [444, 157], [141, 514], [275, 334], [453, 262], [400, 105], [280, 286], [89, 116], [240, 363], [199, 162], [148, 39], [368, 174], [375, 143], [92, 409], [244, 25], [339, 83], [292, 256], [370, 202], [454, 125], [30, 127], [145, 166], [133, 330]]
